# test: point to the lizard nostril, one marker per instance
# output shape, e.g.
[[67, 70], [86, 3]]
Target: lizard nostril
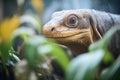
[[52, 29]]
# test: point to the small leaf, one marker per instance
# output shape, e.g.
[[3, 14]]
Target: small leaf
[[4, 48], [54, 50], [32, 20], [23, 32], [112, 73], [108, 57], [29, 52]]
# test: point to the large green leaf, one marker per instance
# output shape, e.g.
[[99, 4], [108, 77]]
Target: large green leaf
[[113, 72], [84, 67]]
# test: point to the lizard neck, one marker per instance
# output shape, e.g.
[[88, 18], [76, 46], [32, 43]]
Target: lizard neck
[[77, 48], [105, 21]]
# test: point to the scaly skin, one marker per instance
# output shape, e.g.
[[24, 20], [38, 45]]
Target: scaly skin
[[77, 29]]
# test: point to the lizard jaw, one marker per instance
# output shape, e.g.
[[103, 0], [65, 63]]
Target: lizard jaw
[[62, 32], [73, 39], [66, 35], [80, 38]]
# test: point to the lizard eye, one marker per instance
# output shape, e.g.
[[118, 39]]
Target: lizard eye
[[72, 20]]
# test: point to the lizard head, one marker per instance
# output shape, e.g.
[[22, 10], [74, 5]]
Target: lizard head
[[72, 28]]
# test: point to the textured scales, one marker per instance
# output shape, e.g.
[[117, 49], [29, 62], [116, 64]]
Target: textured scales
[[90, 25]]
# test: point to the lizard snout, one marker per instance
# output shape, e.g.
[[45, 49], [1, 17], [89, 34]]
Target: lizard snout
[[47, 30]]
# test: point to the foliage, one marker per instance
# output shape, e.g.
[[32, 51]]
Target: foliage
[[38, 53], [36, 50], [86, 66], [35, 56], [5, 43]]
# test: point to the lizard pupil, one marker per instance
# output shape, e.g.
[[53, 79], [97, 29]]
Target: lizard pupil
[[72, 20]]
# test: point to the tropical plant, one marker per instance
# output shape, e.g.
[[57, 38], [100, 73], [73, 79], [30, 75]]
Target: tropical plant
[[88, 66], [26, 54]]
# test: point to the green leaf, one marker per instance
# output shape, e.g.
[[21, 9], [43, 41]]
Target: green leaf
[[108, 57], [112, 73], [4, 49], [23, 32], [105, 41], [37, 48], [32, 20], [30, 50], [55, 51], [84, 67], [60, 56]]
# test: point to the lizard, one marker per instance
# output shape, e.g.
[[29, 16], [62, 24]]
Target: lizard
[[79, 28]]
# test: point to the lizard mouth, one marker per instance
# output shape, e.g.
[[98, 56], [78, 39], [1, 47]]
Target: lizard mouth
[[66, 34], [62, 35], [75, 38]]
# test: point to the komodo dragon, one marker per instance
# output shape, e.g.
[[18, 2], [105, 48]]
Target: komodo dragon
[[77, 29]]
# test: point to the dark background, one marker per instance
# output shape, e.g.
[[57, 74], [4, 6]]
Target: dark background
[[9, 7]]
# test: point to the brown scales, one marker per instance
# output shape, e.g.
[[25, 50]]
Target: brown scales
[[77, 29]]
